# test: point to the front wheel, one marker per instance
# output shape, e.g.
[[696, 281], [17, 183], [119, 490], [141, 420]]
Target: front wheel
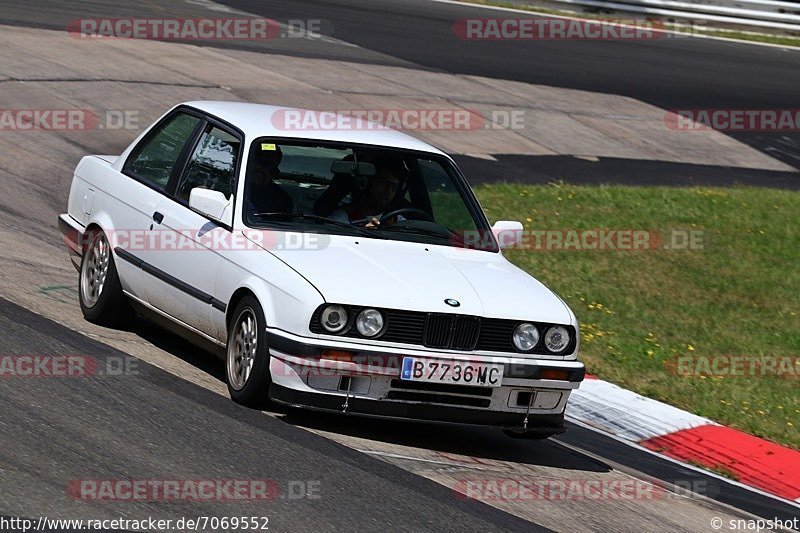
[[247, 361], [99, 288]]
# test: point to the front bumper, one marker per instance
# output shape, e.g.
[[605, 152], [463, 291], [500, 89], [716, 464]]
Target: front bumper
[[341, 377]]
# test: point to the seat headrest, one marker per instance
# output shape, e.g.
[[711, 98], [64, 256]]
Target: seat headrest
[[266, 157]]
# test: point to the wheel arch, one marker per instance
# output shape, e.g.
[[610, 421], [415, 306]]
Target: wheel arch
[[100, 221], [87, 236], [237, 297]]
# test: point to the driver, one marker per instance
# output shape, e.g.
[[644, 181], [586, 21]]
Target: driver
[[375, 198]]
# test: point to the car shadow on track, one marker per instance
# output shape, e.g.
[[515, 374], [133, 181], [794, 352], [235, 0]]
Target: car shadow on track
[[176, 345], [450, 443]]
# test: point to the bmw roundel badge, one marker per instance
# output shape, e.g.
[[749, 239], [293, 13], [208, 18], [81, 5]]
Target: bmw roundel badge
[[452, 303]]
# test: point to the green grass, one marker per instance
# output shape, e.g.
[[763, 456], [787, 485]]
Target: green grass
[[769, 38], [722, 470], [738, 295], [783, 40]]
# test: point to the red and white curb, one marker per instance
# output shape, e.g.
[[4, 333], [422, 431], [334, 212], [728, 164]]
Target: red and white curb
[[686, 437]]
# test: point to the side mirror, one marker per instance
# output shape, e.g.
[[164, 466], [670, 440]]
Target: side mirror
[[212, 204], [508, 233]]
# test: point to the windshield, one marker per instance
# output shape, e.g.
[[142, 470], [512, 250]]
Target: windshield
[[361, 190]]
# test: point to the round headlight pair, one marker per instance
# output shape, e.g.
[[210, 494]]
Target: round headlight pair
[[334, 319], [526, 337]]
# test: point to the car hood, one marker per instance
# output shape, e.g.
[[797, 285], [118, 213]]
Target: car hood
[[420, 277]]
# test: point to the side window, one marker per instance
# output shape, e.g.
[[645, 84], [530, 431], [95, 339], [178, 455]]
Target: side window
[[447, 204], [212, 165], [154, 159]]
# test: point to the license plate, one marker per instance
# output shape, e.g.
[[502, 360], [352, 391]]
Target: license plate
[[454, 372]]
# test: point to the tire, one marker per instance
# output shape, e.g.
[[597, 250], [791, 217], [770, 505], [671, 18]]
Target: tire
[[99, 289], [247, 343]]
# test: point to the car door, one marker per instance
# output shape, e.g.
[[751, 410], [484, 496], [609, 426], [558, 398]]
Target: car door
[[185, 263], [143, 182]]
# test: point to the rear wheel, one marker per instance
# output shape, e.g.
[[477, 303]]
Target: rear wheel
[[247, 361], [100, 291]]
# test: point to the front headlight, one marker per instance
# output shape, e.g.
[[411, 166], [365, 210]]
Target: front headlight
[[526, 336], [556, 339], [369, 322], [333, 318]]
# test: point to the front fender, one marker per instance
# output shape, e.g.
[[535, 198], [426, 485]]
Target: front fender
[[287, 298]]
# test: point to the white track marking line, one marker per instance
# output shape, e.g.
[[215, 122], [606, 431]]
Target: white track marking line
[[213, 6], [623, 25]]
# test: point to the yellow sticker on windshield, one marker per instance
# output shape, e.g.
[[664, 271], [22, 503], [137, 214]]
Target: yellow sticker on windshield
[[265, 146]]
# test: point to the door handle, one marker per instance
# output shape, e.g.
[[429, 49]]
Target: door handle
[[158, 217]]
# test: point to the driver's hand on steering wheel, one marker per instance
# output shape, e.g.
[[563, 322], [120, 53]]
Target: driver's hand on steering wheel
[[373, 223]]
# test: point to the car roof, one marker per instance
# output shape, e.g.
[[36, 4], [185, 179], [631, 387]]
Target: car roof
[[260, 120]]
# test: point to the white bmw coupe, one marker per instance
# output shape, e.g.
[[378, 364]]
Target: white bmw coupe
[[349, 270]]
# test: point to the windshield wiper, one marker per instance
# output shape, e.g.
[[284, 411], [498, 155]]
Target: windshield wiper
[[320, 220], [447, 233]]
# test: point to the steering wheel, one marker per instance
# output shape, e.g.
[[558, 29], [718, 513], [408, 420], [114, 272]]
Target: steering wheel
[[410, 210]]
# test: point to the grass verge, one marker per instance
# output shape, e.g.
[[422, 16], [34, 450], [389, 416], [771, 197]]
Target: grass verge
[[738, 295]]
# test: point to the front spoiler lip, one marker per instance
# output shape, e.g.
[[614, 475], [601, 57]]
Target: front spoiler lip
[[545, 425]]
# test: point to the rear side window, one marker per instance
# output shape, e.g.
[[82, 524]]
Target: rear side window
[[154, 159], [212, 165]]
